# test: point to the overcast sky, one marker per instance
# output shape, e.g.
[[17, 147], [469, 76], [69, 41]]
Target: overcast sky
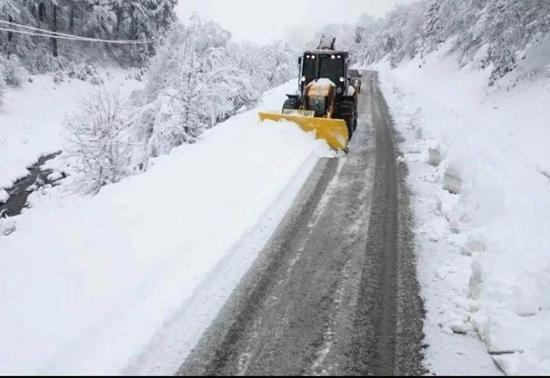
[[263, 21]]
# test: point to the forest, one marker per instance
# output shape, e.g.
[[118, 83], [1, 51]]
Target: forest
[[102, 19], [493, 33]]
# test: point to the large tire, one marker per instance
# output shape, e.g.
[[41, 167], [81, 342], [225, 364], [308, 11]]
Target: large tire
[[347, 110]]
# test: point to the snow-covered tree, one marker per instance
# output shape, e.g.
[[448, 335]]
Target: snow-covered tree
[[11, 71], [104, 19], [200, 78], [197, 79], [432, 31], [140, 20], [97, 136], [497, 33], [268, 65], [192, 86]]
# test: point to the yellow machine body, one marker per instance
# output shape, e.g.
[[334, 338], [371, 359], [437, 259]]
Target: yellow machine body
[[333, 131]]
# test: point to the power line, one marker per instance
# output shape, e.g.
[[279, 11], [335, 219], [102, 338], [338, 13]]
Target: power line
[[75, 38], [37, 32], [11, 23]]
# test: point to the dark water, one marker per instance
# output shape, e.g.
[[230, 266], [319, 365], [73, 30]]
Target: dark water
[[20, 191]]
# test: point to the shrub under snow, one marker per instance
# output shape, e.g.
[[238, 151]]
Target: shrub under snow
[[11, 71], [97, 141]]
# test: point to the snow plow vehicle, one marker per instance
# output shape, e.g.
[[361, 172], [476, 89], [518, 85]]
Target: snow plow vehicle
[[355, 78], [327, 102]]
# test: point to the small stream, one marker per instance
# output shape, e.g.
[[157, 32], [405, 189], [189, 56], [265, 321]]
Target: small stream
[[22, 189]]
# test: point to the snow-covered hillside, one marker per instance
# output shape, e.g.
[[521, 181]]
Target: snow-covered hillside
[[484, 251], [88, 292], [32, 118]]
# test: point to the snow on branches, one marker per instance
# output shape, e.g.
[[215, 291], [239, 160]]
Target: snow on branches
[[106, 19], [497, 33], [97, 139], [199, 78]]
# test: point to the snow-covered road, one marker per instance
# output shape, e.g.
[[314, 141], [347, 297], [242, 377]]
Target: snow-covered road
[[335, 290]]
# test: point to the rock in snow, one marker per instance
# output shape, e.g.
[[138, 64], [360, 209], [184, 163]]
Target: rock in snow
[[452, 180]]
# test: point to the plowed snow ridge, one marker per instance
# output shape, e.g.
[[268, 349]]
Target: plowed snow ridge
[[88, 283]]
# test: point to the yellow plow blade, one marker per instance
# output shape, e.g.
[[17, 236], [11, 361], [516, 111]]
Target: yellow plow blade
[[333, 131]]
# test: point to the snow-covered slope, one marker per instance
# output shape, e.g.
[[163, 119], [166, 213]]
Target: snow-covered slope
[[86, 284], [484, 253], [31, 119]]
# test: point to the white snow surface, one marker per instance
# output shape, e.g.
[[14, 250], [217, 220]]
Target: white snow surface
[[127, 281], [31, 119], [4, 196], [325, 82], [484, 253]]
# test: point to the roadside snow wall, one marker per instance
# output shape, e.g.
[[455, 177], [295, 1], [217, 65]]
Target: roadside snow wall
[[482, 206]]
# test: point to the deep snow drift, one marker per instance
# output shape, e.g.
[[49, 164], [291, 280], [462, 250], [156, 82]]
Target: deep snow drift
[[86, 284], [484, 251]]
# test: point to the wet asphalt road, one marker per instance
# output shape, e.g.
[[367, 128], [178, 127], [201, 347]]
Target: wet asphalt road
[[334, 292]]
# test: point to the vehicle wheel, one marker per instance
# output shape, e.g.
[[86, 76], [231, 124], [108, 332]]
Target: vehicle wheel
[[347, 110]]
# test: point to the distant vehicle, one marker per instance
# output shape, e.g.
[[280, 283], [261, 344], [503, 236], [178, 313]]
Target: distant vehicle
[[355, 77], [327, 99]]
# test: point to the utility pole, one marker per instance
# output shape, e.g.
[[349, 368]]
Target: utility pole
[[54, 28], [10, 34], [10, 46]]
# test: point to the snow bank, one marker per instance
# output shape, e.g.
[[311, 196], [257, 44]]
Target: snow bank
[[87, 292], [484, 251], [31, 120]]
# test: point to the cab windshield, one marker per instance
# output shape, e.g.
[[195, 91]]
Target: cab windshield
[[331, 67]]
